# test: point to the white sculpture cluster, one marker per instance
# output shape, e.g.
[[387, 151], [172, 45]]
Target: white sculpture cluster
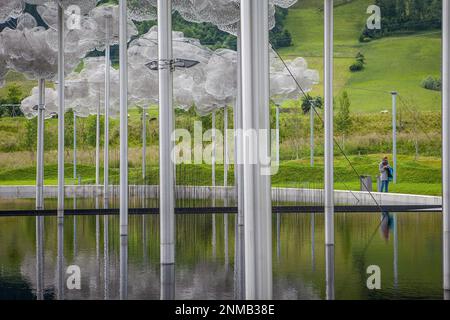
[[209, 85]]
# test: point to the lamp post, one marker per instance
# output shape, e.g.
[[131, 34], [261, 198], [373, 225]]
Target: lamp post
[[394, 133]]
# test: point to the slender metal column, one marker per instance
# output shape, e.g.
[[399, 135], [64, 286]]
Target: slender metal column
[[225, 181], [311, 119], [97, 157], [329, 134], [123, 72], [446, 141], [239, 181], [107, 106], [214, 154], [144, 144], [40, 148], [213, 180], [166, 124], [394, 133], [61, 110], [277, 138], [256, 125], [74, 146], [225, 147], [238, 138]]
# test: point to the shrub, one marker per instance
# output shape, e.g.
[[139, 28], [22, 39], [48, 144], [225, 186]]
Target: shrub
[[357, 66], [431, 83]]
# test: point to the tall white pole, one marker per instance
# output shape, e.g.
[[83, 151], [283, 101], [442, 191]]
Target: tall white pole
[[106, 138], [166, 124], [214, 153], [238, 139], [256, 122], [277, 120], [394, 133], [40, 148], [329, 134], [61, 110], [74, 146], [144, 144], [123, 74], [225, 147], [97, 150], [311, 120], [329, 150], [446, 140]]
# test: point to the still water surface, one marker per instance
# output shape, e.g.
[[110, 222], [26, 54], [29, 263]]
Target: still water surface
[[406, 246]]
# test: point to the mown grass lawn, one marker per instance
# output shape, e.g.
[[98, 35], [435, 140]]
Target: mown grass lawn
[[414, 177], [397, 63]]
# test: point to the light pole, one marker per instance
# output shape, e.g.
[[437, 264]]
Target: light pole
[[394, 133]]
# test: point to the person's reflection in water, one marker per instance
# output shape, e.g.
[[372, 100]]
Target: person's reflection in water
[[387, 224]]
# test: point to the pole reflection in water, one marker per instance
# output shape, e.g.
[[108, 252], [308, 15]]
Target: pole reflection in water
[[395, 252], [167, 281], [144, 239], [214, 233], [313, 241], [40, 285], [446, 248], [278, 236], [106, 256], [123, 267], [329, 261], [225, 236], [239, 268], [60, 260]]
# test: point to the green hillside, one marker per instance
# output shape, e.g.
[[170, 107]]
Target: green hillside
[[399, 62]]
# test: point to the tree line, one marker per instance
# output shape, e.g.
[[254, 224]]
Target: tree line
[[405, 16]]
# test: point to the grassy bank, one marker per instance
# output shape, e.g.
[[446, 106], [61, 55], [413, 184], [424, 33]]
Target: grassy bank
[[415, 177]]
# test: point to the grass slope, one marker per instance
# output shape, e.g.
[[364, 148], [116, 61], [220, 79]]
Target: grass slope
[[398, 62]]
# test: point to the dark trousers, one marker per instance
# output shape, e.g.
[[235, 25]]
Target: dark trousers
[[385, 186]]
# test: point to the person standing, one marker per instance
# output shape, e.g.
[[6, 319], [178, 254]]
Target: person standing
[[385, 171]]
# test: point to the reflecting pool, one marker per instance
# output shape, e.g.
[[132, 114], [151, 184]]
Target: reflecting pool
[[36, 252]]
